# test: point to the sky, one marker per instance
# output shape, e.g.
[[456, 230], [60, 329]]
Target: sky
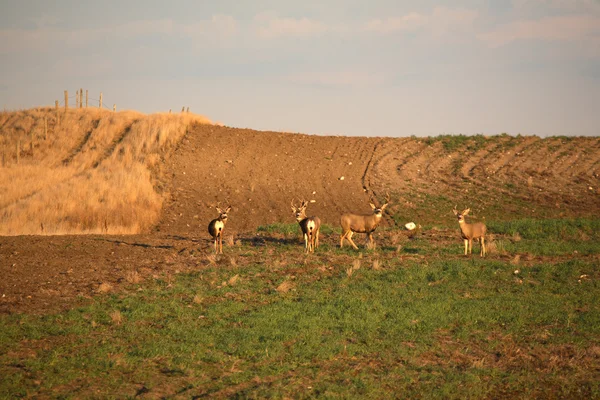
[[356, 68]]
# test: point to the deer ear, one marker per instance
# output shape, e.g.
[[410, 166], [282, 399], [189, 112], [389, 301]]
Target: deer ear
[[455, 211], [384, 206], [219, 210], [227, 209], [466, 211], [372, 206]]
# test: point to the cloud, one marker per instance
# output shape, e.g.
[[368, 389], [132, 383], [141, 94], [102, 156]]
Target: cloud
[[221, 26], [269, 25], [45, 37], [535, 6], [440, 21], [556, 28], [407, 22]]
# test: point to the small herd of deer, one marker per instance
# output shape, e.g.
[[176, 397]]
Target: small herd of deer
[[351, 224]]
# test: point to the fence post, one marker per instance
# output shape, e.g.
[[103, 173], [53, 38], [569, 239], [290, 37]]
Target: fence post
[[100, 105], [66, 100], [169, 111], [45, 128], [80, 97], [183, 109], [56, 105], [86, 98], [114, 107], [188, 110], [77, 99]]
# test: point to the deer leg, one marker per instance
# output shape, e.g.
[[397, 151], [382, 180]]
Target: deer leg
[[371, 241], [470, 246], [342, 237], [482, 241], [220, 244], [466, 247], [305, 242], [351, 241], [317, 238]]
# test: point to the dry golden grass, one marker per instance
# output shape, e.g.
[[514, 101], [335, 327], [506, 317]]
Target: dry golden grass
[[94, 172], [198, 299], [133, 277], [104, 287], [233, 280], [355, 267], [116, 317], [285, 286]]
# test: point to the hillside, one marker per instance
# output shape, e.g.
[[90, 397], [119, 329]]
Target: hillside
[[259, 173], [94, 171], [84, 170]]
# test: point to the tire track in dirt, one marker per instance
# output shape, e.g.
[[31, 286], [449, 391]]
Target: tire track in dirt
[[113, 145], [66, 161]]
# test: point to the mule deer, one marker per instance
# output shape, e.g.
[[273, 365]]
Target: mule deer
[[353, 223], [215, 228], [310, 226], [471, 231]]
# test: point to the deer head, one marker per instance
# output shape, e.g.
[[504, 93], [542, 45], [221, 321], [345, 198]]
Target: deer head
[[300, 212]]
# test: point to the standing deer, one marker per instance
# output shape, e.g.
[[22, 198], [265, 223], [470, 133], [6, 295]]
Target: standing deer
[[310, 226], [471, 231], [353, 223], [215, 228]]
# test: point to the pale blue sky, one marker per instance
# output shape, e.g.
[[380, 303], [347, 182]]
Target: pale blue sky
[[378, 68]]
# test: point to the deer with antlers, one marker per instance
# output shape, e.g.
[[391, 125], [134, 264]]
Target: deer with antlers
[[471, 231], [353, 223], [216, 226], [310, 226]]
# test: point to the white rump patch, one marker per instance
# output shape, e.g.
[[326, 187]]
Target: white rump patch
[[311, 225], [219, 225]]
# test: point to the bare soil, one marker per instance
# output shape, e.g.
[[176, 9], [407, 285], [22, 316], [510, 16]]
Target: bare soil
[[260, 173]]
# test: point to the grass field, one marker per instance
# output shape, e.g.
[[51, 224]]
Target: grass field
[[415, 319]]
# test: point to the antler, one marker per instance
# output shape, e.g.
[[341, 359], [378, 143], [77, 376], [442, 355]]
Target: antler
[[387, 197]]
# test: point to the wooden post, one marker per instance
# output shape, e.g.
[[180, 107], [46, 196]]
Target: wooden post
[[66, 100], [77, 99], [45, 128], [169, 111], [56, 105], [86, 98], [114, 107], [100, 105], [183, 109], [18, 150], [80, 97], [188, 110]]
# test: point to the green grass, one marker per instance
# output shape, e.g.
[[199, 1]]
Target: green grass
[[292, 229], [459, 142], [428, 322]]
